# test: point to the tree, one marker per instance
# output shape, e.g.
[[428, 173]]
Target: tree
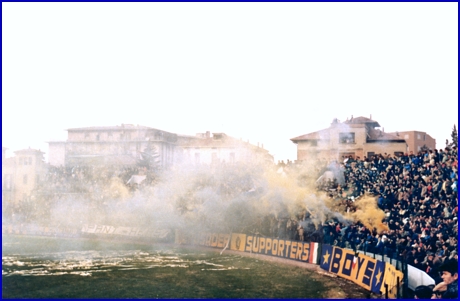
[[454, 136], [150, 159]]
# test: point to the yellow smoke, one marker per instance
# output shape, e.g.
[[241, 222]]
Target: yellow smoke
[[289, 189], [117, 189], [369, 214]]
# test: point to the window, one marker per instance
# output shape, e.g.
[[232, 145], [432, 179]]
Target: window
[[419, 136], [97, 137], [406, 136], [313, 142], [399, 154], [30, 160], [86, 135], [370, 154], [24, 179], [346, 137], [7, 182]]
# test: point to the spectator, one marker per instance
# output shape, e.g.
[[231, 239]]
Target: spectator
[[423, 292], [449, 270]]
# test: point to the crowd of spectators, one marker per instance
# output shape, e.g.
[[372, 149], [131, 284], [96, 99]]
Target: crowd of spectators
[[417, 192]]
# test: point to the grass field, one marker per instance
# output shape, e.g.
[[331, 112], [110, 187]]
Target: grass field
[[242, 277]]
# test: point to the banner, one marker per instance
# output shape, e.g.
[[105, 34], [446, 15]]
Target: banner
[[369, 273], [125, 231], [98, 229], [238, 242], [314, 255], [32, 229], [392, 275], [295, 250], [214, 240]]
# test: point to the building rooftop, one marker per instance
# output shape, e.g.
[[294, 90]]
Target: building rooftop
[[375, 134], [362, 120], [372, 133], [114, 128], [319, 135], [28, 151]]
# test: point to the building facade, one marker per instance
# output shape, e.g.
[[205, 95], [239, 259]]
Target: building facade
[[125, 144], [416, 141], [357, 137], [22, 174], [218, 148], [111, 145]]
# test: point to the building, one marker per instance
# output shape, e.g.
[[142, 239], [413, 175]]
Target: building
[[215, 148], [125, 145], [357, 137], [21, 174], [111, 145], [416, 140]]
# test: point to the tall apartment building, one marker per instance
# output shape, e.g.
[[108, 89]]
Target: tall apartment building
[[355, 137]]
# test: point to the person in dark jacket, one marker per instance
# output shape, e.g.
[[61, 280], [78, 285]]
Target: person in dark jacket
[[449, 270]]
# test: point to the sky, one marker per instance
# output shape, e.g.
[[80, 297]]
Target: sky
[[262, 72]]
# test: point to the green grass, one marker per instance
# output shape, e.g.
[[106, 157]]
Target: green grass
[[261, 281], [251, 278]]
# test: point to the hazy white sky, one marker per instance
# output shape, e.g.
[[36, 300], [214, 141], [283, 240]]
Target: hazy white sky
[[263, 72]]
